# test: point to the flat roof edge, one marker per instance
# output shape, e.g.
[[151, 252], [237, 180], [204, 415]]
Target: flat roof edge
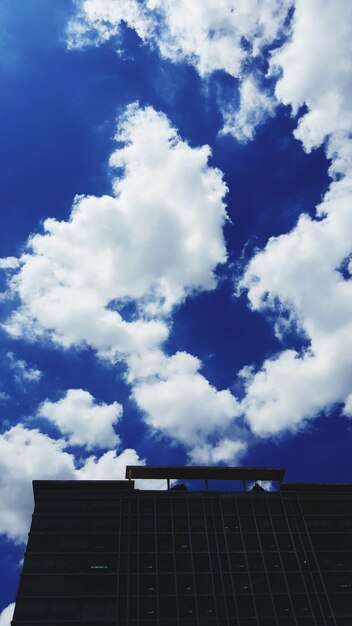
[[309, 487], [204, 473], [74, 485]]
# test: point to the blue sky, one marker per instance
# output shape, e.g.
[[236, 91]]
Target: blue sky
[[176, 242]]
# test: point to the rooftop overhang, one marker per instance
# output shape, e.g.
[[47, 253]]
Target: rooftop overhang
[[205, 473]]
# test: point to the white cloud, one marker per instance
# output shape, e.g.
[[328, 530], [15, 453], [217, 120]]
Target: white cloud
[[300, 272], [40, 458], [84, 421], [109, 466], [97, 21], [225, 451], [7, 614], [156, 240], [43, 458], [266, 484], [255, 106], [9, 263], [205, 33], [211, 35], [315, 69], [23, 371], [178, 401], [113, 467], [347, 409]]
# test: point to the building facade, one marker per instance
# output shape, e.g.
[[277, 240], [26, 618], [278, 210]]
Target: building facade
[[104, 552]]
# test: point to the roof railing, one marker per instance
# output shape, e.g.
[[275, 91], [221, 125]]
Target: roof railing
[[170, 472]]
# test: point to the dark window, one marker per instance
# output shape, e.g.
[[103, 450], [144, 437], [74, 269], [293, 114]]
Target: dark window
[[147, 562], [146, 505], [183, 544], [183, 563], [180, 523], [301, 605], [201, 562], [146, 542], [179, 505], [264, 523], [185, 584], [289, 561], [244, 505], [295, 583], [147, 584], [146, 523], [162, 505], [228, 504], [199, 542], [245, 606], [272, 561], [264, 606], [259, 506], [164, 542], [255, 562], [242, 584], [195, 505], [248, 524], [277, 583], [251, 542], [238, 562], [166, 584], [166, 562], [234, 542], [284, 542], [283, 605], [268, 542], [260, 584], [231, 524], [197, 523], [279, 523]]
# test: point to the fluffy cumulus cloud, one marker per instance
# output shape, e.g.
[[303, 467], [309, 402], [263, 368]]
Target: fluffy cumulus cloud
[[314, 70], [85, 422], [109, 275], [6, 615], [9, 263], [41, 457], [177, 400], [307, 272], [44, 458], [211, 35], [225, 451], [108, 466], [217, 34]]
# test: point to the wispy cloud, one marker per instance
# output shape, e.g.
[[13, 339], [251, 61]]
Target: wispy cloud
[[23, 372], [211, 35]]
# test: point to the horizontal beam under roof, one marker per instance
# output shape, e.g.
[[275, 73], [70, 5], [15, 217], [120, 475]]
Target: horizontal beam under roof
[[205, 473]]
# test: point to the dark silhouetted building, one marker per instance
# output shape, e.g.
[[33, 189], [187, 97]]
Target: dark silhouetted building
[[103, 552]]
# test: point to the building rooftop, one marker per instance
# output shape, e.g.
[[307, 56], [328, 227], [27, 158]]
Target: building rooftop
[[204, 473]]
